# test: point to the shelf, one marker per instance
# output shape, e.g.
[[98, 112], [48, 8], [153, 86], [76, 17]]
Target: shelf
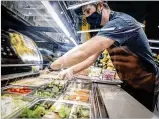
[[155, 48], [18, 65], [154, 41], [17, 75]]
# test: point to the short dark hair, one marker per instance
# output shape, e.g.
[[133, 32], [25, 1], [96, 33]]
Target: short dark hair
[[106, 5]]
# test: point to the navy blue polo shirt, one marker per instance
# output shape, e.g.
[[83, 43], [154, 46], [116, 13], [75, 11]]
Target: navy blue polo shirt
[[126, 31]]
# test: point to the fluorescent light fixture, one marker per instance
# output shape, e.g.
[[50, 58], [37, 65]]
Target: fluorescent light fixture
[[153, 41], [80, 5], [57, 20], [142, 25], [155, 48], [102, 29], [96, 30], [40, 41]]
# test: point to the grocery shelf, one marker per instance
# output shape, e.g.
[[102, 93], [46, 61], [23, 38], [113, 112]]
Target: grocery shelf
[[153, 41], [17, 75], [18, 65], [155, 48]]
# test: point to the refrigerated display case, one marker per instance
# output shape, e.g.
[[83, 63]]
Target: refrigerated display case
[[43, 94]]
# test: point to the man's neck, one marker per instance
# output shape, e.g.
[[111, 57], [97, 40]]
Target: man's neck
[[105, 16]]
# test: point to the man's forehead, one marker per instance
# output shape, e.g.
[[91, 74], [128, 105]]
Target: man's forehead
[[86, 7]]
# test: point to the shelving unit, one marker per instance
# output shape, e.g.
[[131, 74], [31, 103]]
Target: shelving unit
[[17, 75]]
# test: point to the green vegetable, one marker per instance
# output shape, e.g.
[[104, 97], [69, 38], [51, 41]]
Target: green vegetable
[[53, 108], [37, 112], [81, 112]]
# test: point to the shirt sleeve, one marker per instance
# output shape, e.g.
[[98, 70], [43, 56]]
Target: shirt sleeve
[[119, 30]]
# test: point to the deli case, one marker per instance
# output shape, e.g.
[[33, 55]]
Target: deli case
[[29, 92]]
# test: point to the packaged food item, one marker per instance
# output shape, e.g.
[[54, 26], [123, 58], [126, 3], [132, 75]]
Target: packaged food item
[[95, 71], [108, 75]]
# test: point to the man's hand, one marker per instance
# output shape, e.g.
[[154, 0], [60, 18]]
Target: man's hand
[[66, 74]]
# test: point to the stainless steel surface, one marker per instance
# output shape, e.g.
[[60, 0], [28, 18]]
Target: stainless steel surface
[[114, 82], [120, 104], [80, 85]]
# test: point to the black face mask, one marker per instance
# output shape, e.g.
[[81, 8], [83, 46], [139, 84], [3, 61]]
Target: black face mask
[[95, 19]]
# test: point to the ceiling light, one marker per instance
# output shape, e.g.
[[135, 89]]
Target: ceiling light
[[82, 4], [155, 48], [40, 41], [57, 19], [97, 30], [153, 41]]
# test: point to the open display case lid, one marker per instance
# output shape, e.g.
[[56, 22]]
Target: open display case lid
[[37, 14]]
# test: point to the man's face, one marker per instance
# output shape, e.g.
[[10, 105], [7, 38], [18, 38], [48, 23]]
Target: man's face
[[88, 10]]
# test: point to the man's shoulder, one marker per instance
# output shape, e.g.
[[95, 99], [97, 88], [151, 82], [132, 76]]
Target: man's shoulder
[[122, 19]]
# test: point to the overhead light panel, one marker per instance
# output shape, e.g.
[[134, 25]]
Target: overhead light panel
[[97, 30], [40, 41], [155, 48], [153, 41], [58, 20], [82, 4]]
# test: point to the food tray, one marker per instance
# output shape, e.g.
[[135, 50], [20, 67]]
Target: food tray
[[51, 90], [17, 98], [112, 82], [80, 111], [76, 98], [24, 93], [42, 104], [79, 85], [32, 82], [59, 110], [100, 80], [79, 91]]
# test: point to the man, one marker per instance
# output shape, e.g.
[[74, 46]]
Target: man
[[128, 46]]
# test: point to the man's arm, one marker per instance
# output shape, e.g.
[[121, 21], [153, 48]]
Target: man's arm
[[82, 52], [85, 64]]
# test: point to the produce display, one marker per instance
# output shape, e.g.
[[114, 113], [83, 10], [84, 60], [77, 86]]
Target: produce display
[[80, 112], [19, 90], [59, 110], [11, 103], [36, 111], [74, 97], [64, 107], [52, 90], [31, 82]]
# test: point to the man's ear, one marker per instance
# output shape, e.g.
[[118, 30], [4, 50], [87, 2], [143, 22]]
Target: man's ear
[[100, 6]]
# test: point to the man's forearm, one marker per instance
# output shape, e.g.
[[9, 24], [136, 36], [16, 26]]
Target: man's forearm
[[74, 56], [82, 52], [85, 64]]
